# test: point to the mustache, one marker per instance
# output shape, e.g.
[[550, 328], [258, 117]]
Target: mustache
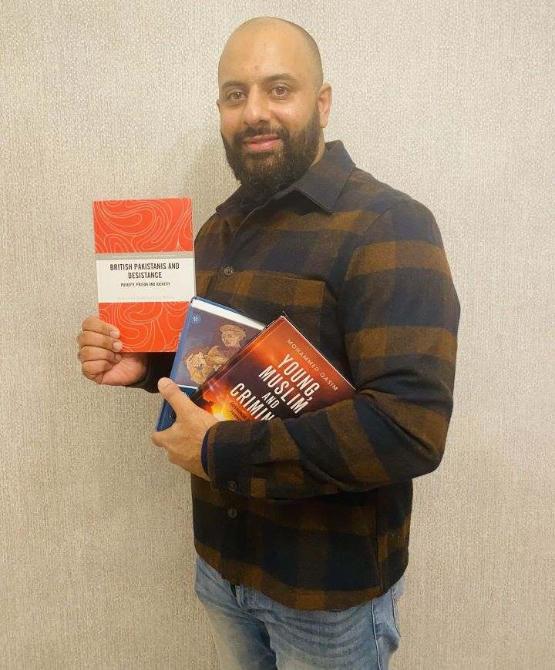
[[251, 131]]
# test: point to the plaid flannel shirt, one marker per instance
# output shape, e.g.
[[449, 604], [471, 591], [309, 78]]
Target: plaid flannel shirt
[[314, 511]]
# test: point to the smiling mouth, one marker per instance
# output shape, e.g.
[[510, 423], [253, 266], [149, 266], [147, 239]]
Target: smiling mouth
[[260, 143]]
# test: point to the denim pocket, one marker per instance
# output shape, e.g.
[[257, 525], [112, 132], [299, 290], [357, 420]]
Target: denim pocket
[[396, 592], [395, 613]]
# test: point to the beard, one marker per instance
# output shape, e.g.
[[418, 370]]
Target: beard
[[265, 173]]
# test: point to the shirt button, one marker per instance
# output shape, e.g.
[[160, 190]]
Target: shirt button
[[232, 513], [232, 486], [228, 271]]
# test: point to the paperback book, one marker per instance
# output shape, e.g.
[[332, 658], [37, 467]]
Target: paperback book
[[145, 269], [279, 373], [211, 335]]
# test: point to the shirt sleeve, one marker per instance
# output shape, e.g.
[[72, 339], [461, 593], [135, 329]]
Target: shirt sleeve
[[399, 313], [159, 365]]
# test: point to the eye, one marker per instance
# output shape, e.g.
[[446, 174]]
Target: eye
[[234, 96], [280, 91]]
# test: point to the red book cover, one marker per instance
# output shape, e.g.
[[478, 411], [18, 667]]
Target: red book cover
[[279, 373], [145, 269]]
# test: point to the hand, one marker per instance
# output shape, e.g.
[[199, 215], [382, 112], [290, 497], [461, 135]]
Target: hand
[[183, 440], [101, 360]]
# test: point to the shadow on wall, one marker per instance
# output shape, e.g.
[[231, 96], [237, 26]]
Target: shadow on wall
[[203, 176]]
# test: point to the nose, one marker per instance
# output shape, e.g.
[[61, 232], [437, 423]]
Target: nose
[[256, 108]]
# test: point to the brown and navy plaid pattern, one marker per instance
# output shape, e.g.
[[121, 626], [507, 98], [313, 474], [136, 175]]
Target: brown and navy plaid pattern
[[315, 511]]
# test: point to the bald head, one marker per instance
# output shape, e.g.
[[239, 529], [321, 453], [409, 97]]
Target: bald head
[[273, 28], [273, 104]]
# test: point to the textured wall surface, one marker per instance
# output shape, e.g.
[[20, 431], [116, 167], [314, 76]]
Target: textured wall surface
[[447, 100]]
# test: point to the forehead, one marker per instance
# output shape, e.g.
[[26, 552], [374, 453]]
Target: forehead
[[255, 54]]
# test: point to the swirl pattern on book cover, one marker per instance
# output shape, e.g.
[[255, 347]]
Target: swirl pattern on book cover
[[134, 226]]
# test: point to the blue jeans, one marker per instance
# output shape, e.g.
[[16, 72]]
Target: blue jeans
[[254, 632]]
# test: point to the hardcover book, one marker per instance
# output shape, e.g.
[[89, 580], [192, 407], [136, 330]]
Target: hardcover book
[[211, 335], [145, 269], [279, 373]]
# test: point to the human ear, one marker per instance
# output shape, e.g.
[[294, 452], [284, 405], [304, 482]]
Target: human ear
[[324, 103]]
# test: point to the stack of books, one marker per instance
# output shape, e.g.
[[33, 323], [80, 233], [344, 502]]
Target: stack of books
[[239, 369]]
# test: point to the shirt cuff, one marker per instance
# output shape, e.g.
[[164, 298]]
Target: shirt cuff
[[159, 364], [229, 452]]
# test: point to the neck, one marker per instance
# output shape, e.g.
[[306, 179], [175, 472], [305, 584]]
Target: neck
[[321, 149]]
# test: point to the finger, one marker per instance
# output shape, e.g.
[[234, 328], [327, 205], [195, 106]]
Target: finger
[[171, 392], [92, 339], [97, 354], [92, 369], [94, 324]]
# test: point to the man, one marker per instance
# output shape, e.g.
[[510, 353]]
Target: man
[[232, 337], [197, 366], [302, 525]]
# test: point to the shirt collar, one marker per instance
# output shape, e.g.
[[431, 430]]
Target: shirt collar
[[322, 182]]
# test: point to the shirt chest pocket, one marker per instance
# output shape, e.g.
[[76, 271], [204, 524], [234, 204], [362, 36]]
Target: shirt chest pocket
[[265, 295]]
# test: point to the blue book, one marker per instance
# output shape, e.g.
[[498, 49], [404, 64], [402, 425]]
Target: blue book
[[211, 335]]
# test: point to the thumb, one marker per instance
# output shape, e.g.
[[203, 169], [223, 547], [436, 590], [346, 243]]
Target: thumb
[[171, 392]]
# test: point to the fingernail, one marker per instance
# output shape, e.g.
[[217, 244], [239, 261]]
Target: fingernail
[[114, 333], [118, 358], [117, 346], [163, 382]]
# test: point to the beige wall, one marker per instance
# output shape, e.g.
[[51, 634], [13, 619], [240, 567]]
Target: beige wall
[[446, 100]]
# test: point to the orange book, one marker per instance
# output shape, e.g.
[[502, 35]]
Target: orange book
[[279, 373], [145, 269]]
